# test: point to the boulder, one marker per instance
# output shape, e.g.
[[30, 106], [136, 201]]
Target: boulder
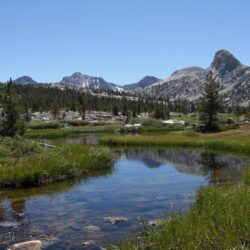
[[28, 245], [115, 220]]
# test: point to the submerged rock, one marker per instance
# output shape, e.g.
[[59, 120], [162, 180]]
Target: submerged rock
[[91, 244], [92, 228], [28, 245], [115, 220], [9, 224]]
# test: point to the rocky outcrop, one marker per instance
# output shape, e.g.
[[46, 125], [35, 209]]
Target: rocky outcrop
[[182, 84]]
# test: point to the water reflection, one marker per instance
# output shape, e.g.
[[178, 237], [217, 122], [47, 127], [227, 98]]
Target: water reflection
[[216, 168], [145, 183]]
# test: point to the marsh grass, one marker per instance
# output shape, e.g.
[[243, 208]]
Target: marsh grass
[[64, 132], [235, 143], [43, 125], [29, 164]]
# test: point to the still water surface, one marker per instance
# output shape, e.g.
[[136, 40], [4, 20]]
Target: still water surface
[[145, 184]]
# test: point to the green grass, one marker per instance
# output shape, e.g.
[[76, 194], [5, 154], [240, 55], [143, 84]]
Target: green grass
[[43, 125], [64, 132], [219, 219], [160, 130], [235, 143], [27, 164]]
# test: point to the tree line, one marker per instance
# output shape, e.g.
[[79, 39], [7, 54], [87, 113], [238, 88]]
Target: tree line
[[17, 98]]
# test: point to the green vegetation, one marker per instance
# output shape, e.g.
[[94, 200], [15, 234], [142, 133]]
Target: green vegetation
[[25, 163], [43, 125], [210, 105], [10, 123], [75, 123], [219, 219], [235, 141], [64, 132]]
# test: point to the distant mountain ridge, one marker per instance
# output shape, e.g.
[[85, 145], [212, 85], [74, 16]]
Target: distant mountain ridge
[[185, 84], [188, 83]]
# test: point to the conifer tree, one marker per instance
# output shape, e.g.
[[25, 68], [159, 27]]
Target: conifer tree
[[115, 110], [209, 104], [10, 123]]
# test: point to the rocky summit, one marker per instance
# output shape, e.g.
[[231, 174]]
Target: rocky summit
[[80, 80], [188, 83]]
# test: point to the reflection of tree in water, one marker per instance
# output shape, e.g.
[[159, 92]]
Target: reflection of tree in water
[[217, 169], [211, 161], [1, 213]]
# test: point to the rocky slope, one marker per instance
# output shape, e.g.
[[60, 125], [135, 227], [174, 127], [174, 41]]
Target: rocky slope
[[188, 83]]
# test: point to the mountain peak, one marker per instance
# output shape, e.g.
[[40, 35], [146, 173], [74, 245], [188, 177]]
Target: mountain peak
[[224, 62], [24, 80]]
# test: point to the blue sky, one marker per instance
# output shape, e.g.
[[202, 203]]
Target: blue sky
[[120, 40]]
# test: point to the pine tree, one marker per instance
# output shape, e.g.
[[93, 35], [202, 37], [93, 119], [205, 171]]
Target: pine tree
[[82, 105], [10, 124], [115, 110], [209, 104], [55, 109], [83, 110]]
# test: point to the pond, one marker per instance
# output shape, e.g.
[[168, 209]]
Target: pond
[[145, 184]]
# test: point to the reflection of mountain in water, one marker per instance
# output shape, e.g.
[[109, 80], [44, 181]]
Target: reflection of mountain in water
[[217, 168]]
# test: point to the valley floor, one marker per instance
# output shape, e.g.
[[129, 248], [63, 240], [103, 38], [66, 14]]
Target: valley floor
[[219, 218]]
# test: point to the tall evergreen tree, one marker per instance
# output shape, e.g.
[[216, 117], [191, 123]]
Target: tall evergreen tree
[[115, 110], [55, 108], [209, 104], [10, 123]]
